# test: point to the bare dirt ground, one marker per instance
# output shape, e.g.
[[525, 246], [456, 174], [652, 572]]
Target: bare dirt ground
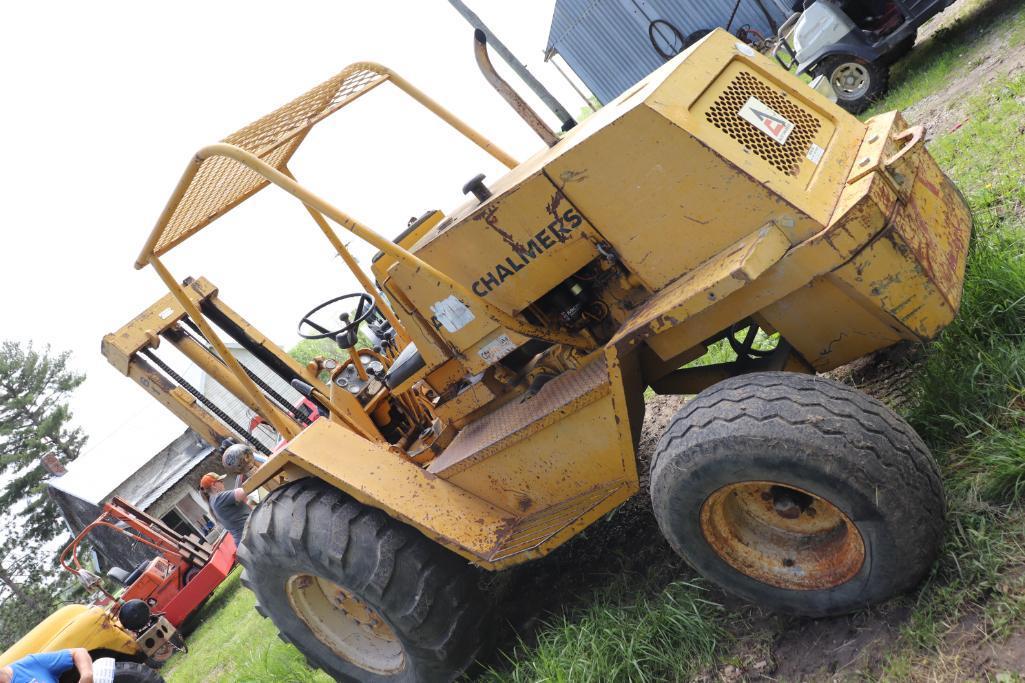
[[989, 55]]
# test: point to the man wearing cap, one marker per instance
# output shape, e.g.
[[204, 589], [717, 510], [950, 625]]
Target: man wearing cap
[[229, 508]]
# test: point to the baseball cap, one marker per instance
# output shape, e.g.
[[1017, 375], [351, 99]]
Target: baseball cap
[[209, 478]]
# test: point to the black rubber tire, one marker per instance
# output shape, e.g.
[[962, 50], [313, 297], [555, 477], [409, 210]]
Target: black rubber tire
[[878, 75], [425, 593], [817, 435], [133, 672]]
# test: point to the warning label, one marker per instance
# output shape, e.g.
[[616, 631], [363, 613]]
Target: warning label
[[452, 313], [766, 120], [497, 349]]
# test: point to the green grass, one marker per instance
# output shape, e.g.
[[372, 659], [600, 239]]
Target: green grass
[[970, 394], [953, 49], [623, 635], [234, 643]]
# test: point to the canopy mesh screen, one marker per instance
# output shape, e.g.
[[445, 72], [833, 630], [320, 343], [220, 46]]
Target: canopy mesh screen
[[223, 183]]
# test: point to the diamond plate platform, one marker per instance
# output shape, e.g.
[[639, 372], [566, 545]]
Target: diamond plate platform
[[510, 423]]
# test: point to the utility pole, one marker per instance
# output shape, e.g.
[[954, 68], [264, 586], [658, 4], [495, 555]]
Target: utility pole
[[517, 66]]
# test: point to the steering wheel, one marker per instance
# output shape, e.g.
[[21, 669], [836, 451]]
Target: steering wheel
[[364, 309]]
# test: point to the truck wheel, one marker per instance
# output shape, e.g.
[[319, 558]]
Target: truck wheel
[[133, 672], [361, 595], [857, 82], [798, 493]]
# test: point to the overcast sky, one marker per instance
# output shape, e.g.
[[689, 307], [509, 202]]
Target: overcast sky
[[105, 102]]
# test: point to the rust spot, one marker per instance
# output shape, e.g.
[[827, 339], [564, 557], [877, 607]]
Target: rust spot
[[929, 186], [490, 218], [767, 531], [573, 176], [553, 206]]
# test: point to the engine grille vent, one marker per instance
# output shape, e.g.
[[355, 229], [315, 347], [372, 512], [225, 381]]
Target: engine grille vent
[[724, 115]]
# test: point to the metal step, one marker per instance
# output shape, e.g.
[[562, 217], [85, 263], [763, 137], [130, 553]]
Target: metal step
[[518, 419]]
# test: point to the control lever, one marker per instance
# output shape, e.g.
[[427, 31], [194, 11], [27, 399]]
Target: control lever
[[477, 187]]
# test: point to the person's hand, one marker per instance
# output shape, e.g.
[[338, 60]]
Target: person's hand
[[83, 663]]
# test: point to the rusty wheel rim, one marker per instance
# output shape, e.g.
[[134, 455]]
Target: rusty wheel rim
[[353, 630], [783, 536]]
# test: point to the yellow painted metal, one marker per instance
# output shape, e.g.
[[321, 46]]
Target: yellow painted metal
[[209, 296], [346, 410], [353, 630], [669, 184], [372, 474], [219, 372], [842, 236], [212, 185], [365, 282], [484, 248], [179, 401], [382, 262], [714, 280], [266, 410], [142, 331], [444, 286], [478, 529], [70, 626]]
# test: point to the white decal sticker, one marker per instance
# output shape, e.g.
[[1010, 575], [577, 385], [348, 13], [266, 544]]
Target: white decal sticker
[[452, 313], [815, 154], [166, 313], [497, 349], [766, 120], [745, 49]]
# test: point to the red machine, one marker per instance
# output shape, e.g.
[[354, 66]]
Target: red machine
[[175, 582]]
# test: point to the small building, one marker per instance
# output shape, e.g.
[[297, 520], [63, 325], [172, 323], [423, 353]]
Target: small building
[[612, 44], [166, 486], [241, 415]]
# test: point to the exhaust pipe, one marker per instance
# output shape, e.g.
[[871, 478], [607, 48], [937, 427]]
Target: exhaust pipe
[[480, 51]]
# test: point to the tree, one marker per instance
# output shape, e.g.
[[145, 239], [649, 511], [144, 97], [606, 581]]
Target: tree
[[34, 420], [27, 592], [31, 585], [308, 349]]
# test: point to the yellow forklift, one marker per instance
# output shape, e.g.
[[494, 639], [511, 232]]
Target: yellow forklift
[[498, 411]]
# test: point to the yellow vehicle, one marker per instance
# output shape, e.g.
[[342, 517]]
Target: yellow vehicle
[[498, 413], [99, 630]]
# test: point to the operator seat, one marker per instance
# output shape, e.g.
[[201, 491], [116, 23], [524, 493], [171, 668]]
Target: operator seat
[[136, 573], [118, 574], [407, 363]]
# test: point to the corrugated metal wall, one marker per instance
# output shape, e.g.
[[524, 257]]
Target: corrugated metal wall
[[606, 42], [240, 412]]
